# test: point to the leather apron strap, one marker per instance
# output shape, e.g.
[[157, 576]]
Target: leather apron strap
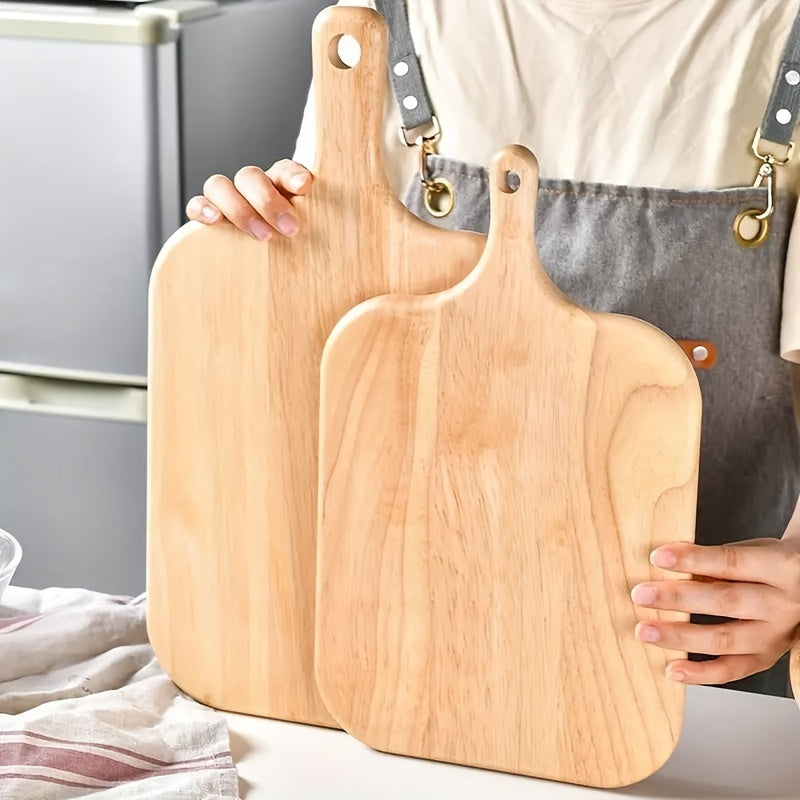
[[781, 116], [404, 67]]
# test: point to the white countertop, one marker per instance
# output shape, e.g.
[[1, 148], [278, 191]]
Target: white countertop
[[735, 746]]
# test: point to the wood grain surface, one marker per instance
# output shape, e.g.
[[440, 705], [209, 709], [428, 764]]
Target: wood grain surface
[[496, 465], [237, 332]]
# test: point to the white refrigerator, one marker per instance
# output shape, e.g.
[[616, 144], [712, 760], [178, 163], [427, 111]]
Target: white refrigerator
[[111, 116]]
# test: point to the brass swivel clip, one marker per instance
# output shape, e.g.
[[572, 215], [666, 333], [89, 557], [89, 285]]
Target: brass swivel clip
[[752, 225], [439, 196]]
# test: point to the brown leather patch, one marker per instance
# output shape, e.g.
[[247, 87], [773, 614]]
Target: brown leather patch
[[702, 354]]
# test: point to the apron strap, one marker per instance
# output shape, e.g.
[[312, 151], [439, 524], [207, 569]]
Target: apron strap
[[405, 70], [783, 108]]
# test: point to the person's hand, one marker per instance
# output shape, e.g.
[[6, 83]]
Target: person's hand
[[757, 583], [255, 201]]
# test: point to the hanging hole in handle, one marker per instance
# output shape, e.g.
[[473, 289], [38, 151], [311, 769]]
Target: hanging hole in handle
[[511, 182], [344, 51]]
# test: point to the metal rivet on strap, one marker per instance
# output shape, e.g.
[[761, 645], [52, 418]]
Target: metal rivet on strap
[[410, 102], [792, 77], [401, 69], [700, 353], [784, 116]]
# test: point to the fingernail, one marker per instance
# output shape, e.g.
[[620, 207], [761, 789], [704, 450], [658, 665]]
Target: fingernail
[[643, 595], [288, 225], [209, 213], [676, 675], [663, 558], [649, 633], [260, 229], [297, 182]]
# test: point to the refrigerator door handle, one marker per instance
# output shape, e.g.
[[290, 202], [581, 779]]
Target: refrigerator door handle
[[72, 395]]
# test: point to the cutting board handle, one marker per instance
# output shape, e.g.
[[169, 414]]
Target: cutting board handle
[[510, 264], [350, 99]]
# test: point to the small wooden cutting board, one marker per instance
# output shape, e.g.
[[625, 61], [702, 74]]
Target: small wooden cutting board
[[496, 465], [237, 332]]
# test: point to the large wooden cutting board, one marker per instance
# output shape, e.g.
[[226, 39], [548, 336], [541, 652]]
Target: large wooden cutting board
[[496, 465], [237, 331]]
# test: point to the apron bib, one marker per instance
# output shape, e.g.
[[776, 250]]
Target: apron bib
[[669, 257]]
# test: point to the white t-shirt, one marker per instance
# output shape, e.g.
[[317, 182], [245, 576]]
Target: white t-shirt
[[664, 93]]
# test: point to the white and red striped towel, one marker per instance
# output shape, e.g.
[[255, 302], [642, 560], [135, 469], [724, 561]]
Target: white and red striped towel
[[86, 711]]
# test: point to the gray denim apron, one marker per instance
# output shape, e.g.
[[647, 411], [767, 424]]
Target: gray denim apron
[[669, 257]]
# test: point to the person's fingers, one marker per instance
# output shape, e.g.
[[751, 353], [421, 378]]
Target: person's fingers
[[257, 189], [727, 638], [747, 601], [255, 201], [220, 192], [199, 209], [773, 563], [289, 177], [719, 670]]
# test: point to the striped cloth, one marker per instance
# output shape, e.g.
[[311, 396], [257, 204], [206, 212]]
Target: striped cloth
[[86, 711]]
